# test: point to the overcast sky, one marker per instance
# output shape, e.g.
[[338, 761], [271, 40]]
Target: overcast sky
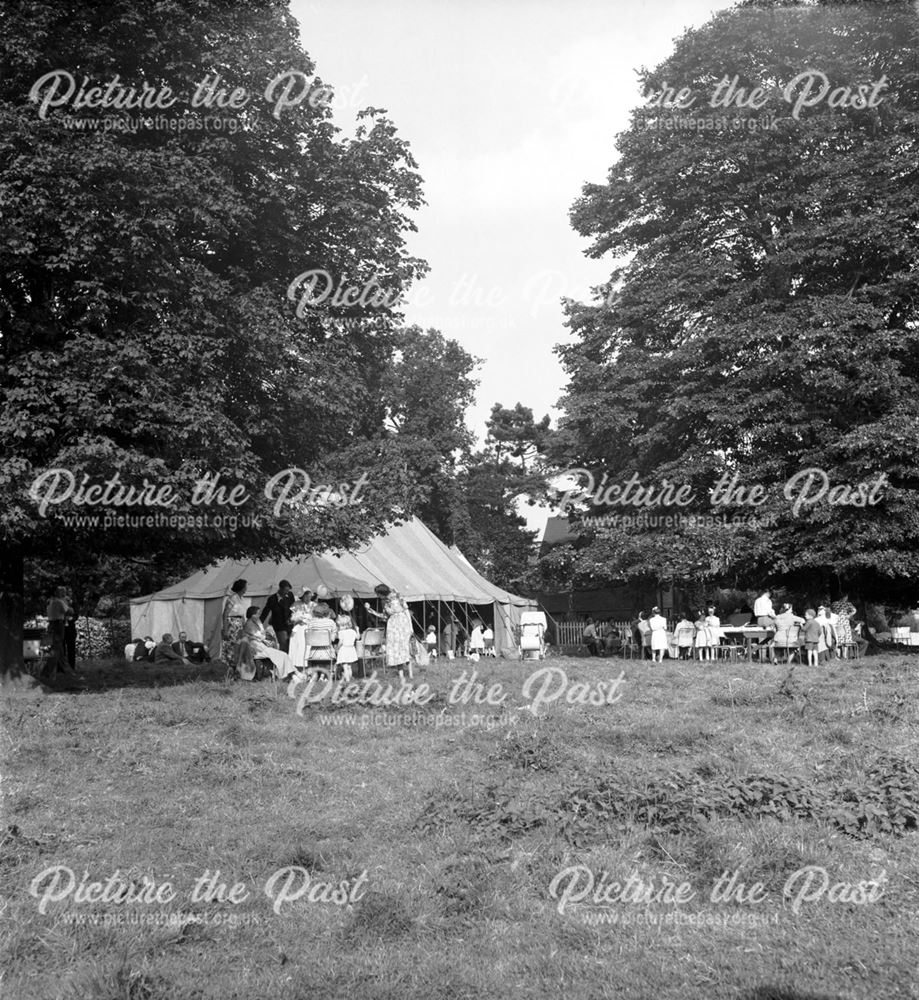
[[510, 107]]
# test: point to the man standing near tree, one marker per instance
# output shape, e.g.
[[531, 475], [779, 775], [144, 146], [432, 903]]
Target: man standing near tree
[[57, 611], [70, 631], [277, 608]]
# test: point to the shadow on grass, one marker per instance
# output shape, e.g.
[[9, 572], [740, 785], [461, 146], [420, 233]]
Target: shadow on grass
[[780, 993], [93, 676]]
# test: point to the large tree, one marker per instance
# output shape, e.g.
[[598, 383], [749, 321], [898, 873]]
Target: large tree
[[151, 326], [761, 314], [509, 468]]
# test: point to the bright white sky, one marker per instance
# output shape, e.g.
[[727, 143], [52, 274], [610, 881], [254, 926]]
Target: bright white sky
[[510, 107]]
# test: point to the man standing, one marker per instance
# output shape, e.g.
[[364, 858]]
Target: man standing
[[763, 610], [70, 632], [449, 637], [57, 611], [277, 608], [590, 638]]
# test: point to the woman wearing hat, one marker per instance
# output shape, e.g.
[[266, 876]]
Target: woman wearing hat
[[301, 613], [398, 626]]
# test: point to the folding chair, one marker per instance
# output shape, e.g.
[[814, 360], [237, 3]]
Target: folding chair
[[320, 654], [373, 649], [629, 646], [790, 642]]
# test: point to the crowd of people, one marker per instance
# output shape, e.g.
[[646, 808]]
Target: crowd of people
[[824, 631], [276, 636], [182, 650]]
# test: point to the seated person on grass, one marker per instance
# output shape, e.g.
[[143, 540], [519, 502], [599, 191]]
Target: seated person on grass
[[194, 652], [164, 653], [143, 650]]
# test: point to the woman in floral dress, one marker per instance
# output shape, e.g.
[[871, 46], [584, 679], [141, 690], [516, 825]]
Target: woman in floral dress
[[234, 617], [843, 609], [398, 626]]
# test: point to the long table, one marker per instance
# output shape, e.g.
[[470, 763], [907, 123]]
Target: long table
[[752, 636]]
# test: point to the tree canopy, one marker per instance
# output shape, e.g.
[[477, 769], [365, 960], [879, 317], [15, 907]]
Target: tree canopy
[[148, 328], [761, 314]]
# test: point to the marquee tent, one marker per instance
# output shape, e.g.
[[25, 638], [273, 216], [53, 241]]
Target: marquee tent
[[408, 557]]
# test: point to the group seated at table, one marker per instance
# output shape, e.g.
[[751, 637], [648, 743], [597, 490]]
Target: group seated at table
[[828, 629]]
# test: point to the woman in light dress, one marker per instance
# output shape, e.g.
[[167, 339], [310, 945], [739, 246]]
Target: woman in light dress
[[254, 644], [704, 640], [788, 631], [657, 625], [716, 634], [398, 626], [234, 617], [301, 613]]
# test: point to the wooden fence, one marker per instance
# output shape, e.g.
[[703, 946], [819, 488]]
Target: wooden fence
[[571, 633]]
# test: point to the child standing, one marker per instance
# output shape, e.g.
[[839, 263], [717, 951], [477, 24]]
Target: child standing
[[476, 640], [658, 627], [430, 641], [704, 641], [714, 629], [346, 656], [813, 632], [684, 636]]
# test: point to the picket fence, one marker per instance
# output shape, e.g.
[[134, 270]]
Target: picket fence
[[570, 633]]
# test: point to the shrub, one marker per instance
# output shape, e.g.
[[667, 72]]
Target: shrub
[[97, 638]]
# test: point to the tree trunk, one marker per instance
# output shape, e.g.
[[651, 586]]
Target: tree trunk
[[12, 667]]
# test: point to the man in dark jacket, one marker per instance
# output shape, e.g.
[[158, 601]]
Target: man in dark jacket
[[277, 609], [191, 651]]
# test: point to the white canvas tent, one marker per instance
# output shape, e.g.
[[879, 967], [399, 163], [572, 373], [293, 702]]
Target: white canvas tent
[[408, 557]]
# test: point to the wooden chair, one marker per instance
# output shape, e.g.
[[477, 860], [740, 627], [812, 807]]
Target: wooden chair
[[373, 649], [630, 648], [790, 642], [729, 651], [320, 653]]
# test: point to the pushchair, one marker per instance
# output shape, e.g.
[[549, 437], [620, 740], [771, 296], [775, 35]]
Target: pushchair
[[532, 642]]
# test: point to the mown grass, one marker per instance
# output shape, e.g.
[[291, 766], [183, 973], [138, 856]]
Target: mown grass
[[461, 830]]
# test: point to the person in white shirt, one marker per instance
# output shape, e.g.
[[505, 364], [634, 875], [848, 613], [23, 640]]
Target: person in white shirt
[[714, 623], [827, 632], [346, 654], [763, 610], [488, 636], [644, 632], [476, 640], [657, 624]]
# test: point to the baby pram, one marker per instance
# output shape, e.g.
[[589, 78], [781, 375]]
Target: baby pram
[[532, 642]]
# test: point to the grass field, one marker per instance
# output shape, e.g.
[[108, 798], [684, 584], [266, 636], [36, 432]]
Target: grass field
[[459, 844]]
